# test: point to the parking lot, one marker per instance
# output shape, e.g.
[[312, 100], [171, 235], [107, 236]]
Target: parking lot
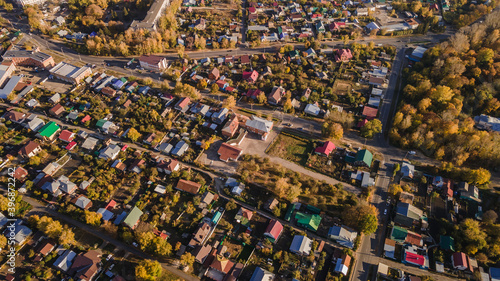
[[37, 76]]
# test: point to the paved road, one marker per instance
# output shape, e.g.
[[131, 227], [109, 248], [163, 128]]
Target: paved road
[[40, 208]]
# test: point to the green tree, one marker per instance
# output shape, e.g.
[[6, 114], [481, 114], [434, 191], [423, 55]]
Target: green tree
[[231, 205], [369, 224], [371, 128], [148, 270]]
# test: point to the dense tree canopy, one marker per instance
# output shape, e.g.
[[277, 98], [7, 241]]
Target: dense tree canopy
[[455, 81]]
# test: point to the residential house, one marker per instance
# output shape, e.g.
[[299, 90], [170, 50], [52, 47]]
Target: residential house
[[260, 274], [243, 216], [273, 231], [15, 116], [447, 243], [389, 248], [320, 27], [342, 262], [230, 127], [183, 104], [110, 152], [180, 148], [65, 185], [132, 219], [219, 268], [168, 167], [152, 62], [407, 170], [250, 76], [201, 253], [468, 192], [308, 221], [30, 149], [206, 199], [45, 247], [325, 149], [362, 12], [214, 74], [301, 245], [20, 173], [343, 55], [20, 233], [188, 186], [459, 261], [200, 235], [55, 98], [90, 143], [259, 126], [35, 124], [82, 202], [369, 112], [220, 116], [108, 91], [343, 235], [495, 273], [222, 84], [229, 152], [136, 166], [149, 138], [253, 93], [414, 256], [407, 214], [312, 109], [85, 265], [276, 94], [66, 136], [363, 158], [65, 260], [56, 110]]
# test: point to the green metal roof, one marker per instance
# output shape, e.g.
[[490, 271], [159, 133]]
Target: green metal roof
[[124, 80], [308, 221], [364, 156], [133, 217], [447, 243], [399, 234], [49, 129], [100, 123], [289, 212]]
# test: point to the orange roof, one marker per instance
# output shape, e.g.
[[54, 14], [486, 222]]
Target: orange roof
[[227, 152], [188, 186]]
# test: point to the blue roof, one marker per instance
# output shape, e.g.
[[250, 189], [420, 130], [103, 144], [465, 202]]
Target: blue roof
[[118, 84], [120, 218]]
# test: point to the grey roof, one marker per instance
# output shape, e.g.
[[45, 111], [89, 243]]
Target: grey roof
[[301, 245], [66, 185], [110, 151], [82, 202], [21, 233], [261, 274], [68, 70], [55, 98], [180, 148], [165, 147], [38, 56], [106, 214], [343, 235], [260, 124], [9, 87], [35, 124], [3, 220], [65, 261], [90, 143]]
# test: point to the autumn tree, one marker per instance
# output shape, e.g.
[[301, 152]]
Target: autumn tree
[[148, 270], [473, 236], [362, 217], [3, 241], [371, 128], [214, 88], [187, 259], [231, 205], [261, 98], [133, 134], [92, 218], [331, 130], [202, 84], [395, 189], [490, 217], [229, 102]]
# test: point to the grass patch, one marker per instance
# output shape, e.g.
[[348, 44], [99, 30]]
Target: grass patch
[[291, 148]]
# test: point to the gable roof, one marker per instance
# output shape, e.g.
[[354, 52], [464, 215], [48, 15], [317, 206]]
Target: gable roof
[[14, 116], [188, 186], [274, 229], [447, 243], [399, 234], [133, 217], [326, 148], [49, 129], [364, 156], [459, 259], [66, 135], [227, 152], [310, 221], [29, 148]]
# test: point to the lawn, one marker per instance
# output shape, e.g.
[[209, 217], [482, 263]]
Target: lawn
[[291, 148]]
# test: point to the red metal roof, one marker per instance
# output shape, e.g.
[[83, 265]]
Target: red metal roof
[[66, 136], [274, 229], [71, 145], [415, 259], [326, 149]]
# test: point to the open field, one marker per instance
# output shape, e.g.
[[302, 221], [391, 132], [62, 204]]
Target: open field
[[290, 148]]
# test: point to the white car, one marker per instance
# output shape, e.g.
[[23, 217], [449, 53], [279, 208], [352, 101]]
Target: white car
[[385, 212]]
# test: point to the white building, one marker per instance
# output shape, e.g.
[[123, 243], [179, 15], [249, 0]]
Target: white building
[[29, 2]]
